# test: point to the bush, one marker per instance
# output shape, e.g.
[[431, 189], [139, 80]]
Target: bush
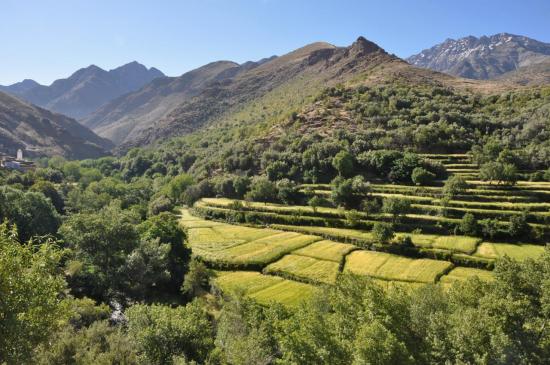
[[421, 176], [382, 232], [468, 225], [499, 172], [397, 207], [455, 185], [518, 226], [262, 190], [343, 163]]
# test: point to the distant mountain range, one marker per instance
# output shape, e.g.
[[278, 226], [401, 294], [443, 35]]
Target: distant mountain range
[[85, 90], [483, 58], [40, 132], [135, 106]]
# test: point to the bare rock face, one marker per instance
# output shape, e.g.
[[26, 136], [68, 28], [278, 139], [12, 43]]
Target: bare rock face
[[484, 57]]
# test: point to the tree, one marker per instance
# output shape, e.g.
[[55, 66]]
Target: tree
[[175, 188], [455, 185], [162, 332], [262, 190], [343, 163], [382, 232], [397, 207], [197, 279], [31, 292], [371, 206], [518, 226], [421, 176], [468, 225], [499, 172], [316, 201], [100, 244], [100, 343], [50, 192], [287, 192], [31, 212], [489, 227]]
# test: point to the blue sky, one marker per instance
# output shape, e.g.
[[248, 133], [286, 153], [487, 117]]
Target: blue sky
[[49, 39]]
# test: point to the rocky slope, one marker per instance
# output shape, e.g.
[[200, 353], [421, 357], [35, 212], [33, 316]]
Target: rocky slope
[[172, 107], [40, 132], [85, 90], [484, 57]]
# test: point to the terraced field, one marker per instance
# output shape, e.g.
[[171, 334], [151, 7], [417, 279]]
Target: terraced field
[[385, 266], [285, 252]]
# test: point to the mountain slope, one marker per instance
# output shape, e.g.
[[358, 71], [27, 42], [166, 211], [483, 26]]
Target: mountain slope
[[86, 89], [536, 74], [42, 133], [161, 114], [484, 57], [20, 87], [117, 119]]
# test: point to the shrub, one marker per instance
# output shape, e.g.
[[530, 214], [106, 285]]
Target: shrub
[[518, 225], [382, 232], [343, 163], [455, 185], [397, 207], [489, 227], [262, 190], [468, 225], [421, 176], [499, 172]]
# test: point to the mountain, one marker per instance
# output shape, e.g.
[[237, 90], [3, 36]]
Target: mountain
[[40, 132], [535, 74], [85, 90], [172, 107], [482, 58], [20, 87]]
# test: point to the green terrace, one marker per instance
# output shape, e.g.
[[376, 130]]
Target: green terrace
[[287, 264]]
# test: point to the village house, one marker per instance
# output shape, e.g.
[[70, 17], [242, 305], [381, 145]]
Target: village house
[[15, 163]]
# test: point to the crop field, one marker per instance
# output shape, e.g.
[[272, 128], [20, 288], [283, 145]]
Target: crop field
[[326, 250], [265, 288], [516, 251], [392, 267], [292, 249], [453, 243], [305, 268], [464, 273]]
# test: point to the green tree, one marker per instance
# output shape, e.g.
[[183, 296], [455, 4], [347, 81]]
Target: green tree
[[397, 207], [31, 291], [421, 176], [499, 172], [468, 225], [50, 192], [161, 332], [31, 212], [455, 185], [343, 163], [382, 232], [100, 244], [262, 190], [175, 188]]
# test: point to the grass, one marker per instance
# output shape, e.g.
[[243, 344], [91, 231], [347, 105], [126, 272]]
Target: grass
[[465, 273], [391, 267], [326, 250], [492, 250], [305, 268], [265, 288]]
